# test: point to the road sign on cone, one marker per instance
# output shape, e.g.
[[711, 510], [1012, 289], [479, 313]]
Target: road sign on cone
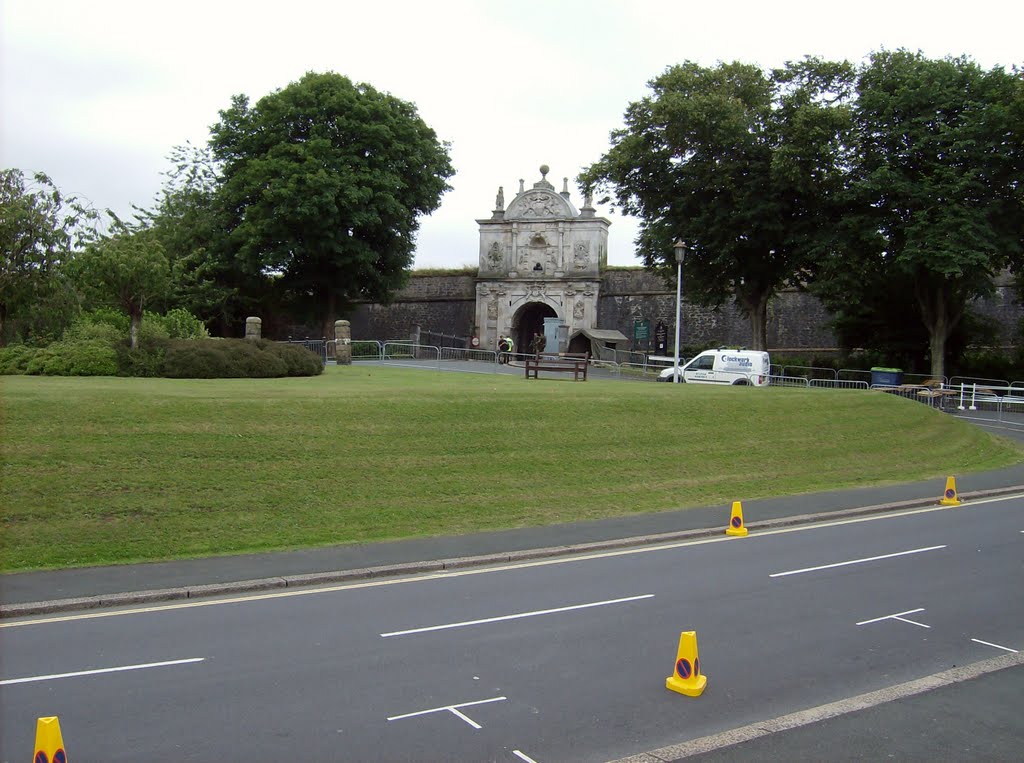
[[49, 743], [949, 498], [687, 678], [736, 526]]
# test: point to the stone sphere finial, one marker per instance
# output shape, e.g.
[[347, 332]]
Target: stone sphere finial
[[544, 170]]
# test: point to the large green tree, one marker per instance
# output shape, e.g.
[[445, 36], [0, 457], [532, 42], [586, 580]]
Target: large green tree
[[737, 162], [324, 183], [191, 223], [934, 201], [41, 228], [128, 270]]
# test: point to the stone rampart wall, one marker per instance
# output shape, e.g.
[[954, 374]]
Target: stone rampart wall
[[435, 303], [796, 320]]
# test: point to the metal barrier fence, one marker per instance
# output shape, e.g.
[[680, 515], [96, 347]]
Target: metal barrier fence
[[316, 346], [838, 384], [957, 381], [621, 357], [439, 339], [410, 351], [367, 349], [779, 380], [854, 374], [962, 397], [640, 371], [461, 353], [807, 372]]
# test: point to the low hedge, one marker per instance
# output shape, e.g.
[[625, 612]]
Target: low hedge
[[159, 356], [236, 358]]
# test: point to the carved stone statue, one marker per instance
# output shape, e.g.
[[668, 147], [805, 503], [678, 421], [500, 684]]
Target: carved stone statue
[[581, 255], [495, 254]]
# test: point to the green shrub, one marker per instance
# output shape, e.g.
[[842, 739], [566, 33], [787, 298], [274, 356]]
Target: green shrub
[[236, 358], [146, 360], [15, 358], [298, 360], [106, 316], [196, 360], [986, 364], [86, 331], [251, 360], [181, 324], [44, 362], [151, 329], [89, 351], [92, 357]]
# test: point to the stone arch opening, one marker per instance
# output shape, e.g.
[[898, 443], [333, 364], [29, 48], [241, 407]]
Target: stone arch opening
[[529, 320]]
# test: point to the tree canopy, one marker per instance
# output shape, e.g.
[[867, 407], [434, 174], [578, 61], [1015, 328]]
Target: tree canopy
[[191, 224], [128, 270], [739, 164], [40, 230], [933, 204], [323, 184]]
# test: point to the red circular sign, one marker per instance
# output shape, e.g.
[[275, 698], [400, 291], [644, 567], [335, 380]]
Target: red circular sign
[[683, 668]]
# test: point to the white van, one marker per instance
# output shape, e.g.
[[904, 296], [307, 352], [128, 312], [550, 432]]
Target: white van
[[724, 366]]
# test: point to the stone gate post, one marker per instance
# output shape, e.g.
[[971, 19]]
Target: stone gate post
[[343, 343], [253, 328]]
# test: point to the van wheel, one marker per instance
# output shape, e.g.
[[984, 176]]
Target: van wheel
[[740, 383]]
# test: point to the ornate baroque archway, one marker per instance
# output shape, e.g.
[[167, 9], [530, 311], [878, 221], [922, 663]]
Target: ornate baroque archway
[[529, 320], [539, 258]]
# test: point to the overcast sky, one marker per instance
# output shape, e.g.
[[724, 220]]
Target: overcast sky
[[97, 92]]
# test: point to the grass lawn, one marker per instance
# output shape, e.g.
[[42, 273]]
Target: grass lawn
[[110, 470]]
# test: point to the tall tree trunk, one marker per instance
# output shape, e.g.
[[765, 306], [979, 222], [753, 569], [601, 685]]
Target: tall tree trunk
[[937, 350], [134, 330], [940, 315], [329, 314], [756, 308]]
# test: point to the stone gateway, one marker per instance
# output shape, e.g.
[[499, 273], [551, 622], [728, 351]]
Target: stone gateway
[[540, 268]]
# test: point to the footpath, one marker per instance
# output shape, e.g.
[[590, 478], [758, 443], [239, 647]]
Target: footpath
[[961, 716]]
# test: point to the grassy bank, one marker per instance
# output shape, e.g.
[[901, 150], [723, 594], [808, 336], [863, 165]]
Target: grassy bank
[[107, 470]]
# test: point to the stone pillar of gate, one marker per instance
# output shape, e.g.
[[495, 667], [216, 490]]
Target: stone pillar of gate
[[343, 343], [253, 328]]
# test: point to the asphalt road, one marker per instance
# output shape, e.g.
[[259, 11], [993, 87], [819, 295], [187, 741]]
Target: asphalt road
[[556, 660]]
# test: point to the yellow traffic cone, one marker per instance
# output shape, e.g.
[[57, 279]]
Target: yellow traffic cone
[[736, 526], [949, 498], [49, 743], [687, 678]]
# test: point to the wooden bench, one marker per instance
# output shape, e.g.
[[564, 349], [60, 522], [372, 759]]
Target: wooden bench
[[565, 362]]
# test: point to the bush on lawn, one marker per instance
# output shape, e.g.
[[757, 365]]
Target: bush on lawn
[[297, 359], [236, 358], [15, 358], [91, 357]]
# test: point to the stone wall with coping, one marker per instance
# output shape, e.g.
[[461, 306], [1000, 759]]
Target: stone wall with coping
[[796, 320]]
